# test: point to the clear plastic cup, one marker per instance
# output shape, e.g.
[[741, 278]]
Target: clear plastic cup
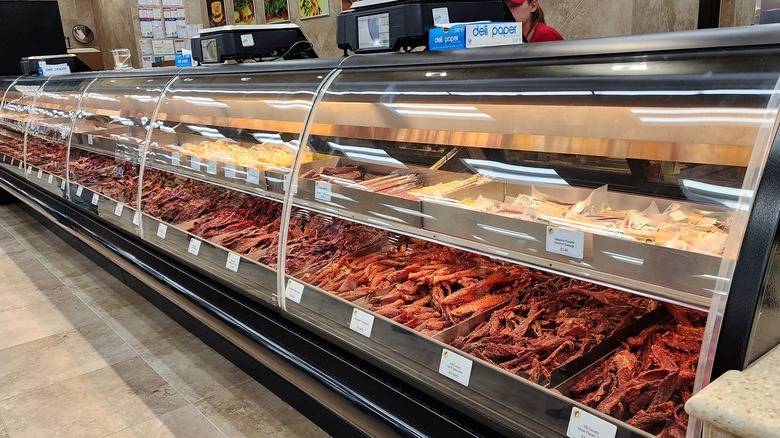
[[121, 59]]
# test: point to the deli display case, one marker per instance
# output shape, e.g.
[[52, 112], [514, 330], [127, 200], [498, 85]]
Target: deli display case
[[526, 241]]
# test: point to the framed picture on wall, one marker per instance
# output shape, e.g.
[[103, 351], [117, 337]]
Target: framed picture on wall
[[244, 12], [276, 10], [345, 5], [314, 8], [216, 10]]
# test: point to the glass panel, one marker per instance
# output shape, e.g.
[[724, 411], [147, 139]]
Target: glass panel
[[221, 150], [50, 124], [511, 211], [14, 115], [106, 146]]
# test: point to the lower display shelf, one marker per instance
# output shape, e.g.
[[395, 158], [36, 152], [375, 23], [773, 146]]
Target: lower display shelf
[[517, 404], [254, 279]]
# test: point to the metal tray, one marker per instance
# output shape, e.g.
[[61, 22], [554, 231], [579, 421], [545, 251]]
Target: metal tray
[[509, 400], [249, 276], [51, 183]]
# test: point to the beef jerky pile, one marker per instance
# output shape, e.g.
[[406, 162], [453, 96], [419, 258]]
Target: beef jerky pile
[[556, 321], [315, 239], [647, 382], [12, 147], [46, 155], [424, 285], [175, 200], [116, 179]]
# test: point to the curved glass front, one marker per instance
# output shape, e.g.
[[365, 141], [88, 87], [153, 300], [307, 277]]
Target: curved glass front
[[47, 136], [14, 115], [220, 152], [107, 143], [510, 211]]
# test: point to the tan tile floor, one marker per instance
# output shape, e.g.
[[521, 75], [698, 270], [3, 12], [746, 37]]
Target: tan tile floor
[[81, 355]]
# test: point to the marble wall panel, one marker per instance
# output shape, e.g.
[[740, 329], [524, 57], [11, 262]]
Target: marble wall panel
[[115, 28], [595, 19], [744, 12], [653, 16], [73, 12], [727, 11]]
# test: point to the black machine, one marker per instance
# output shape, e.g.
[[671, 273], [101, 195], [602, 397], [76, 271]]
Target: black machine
[[391, 25], [30, 64], [219, 44]]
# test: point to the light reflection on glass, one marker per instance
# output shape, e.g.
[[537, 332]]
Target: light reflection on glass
[[624, 258], [713, 193], [513, 173], [367, 155]]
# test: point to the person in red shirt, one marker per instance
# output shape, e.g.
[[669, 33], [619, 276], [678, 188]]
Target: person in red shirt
[[530, 14]]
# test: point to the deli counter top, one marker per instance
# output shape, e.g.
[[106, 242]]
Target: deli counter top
[[528, 242], [741, 403]]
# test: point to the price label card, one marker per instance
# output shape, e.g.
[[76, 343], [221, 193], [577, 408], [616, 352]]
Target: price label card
[[286, 185], [361, 322], [12, 161], [119, 209], [29, 170], [294, 291], [95, 198], [322, 191], [566, 242], [21, 165], [51, 178], [40, 173], [89, 139], [194, 247], [585, 425], [455, 366], [233, 260], [175, 159], [4, 158], [62, 185], [195, 163], [136, 219], [79, 191], [162, 230], [230, 170], [212, 167], [252, 175]]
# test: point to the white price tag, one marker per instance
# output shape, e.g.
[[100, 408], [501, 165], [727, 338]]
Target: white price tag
[[585, 425], [212, 167], [40, 173], [175, 159], [51, 178], [79, 191], [567, 242], [136, 218], [286, 185], [195, 163], [162, 230], [3, 158], [21, 165], [62, 185], [233, 260], [119, 209], [95, 198], [361, 322], [322, 191], [89, 138], [194, 247], [230, 170], [247, 40], [252, 175], [455, 366], [29, 170], [294, 291], [12, 161]]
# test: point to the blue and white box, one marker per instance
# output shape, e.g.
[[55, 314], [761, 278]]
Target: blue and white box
[[474, 35]]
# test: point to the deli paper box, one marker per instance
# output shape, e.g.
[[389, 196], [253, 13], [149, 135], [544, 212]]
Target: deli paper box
[[455, 36]]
